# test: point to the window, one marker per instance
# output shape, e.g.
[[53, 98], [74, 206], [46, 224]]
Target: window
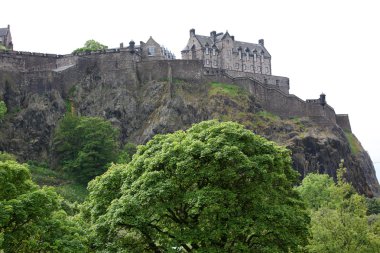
[[207, 62], [278, 82], [207, 50], [151, 51], [240, 56], [237, 65], [213, 51], [215, 63], [267, 70], [244, 67], [254, 57], [247, 56]]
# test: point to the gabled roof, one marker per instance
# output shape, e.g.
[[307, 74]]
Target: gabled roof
[[252, 46], [3, 31], [203, 40]]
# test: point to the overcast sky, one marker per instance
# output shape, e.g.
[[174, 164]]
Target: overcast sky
[[330, 46]]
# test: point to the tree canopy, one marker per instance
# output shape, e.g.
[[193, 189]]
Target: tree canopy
[[85, 146], [216, 187], [338, 216], [90, 45], [31, 218]]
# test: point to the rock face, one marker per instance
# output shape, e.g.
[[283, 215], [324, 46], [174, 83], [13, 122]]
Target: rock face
[[142, 107]]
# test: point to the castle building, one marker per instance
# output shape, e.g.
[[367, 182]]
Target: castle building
[[149, 50], [222, 51], [6, 38]]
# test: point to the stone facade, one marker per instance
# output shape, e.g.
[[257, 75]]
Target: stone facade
[[151, 50], [6, 38], [222, 51]]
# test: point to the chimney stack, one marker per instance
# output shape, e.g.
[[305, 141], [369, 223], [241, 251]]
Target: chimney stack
[[261, 42], [132, 46], [192, 32]]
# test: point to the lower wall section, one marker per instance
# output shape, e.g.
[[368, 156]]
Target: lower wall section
[[344, 122]]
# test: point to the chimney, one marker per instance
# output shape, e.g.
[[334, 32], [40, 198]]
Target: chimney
[[132, 46], [213, 35], [121, 45], [233, 38], [9, 27], [261, 42], [192, 32]]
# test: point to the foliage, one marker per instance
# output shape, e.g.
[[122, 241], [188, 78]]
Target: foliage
[[373, 206], [72, 192], [225, 89], [31, 219], [4, 156], [127, 152], [354, 143], [84, 146], [3, 109], [3, 48], [90, 45], [338, 216], [215, 188]]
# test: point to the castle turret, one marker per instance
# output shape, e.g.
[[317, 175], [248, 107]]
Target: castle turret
[[322, 99]]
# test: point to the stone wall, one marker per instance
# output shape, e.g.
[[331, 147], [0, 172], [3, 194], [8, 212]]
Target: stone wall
[[189, 70], [344, 122], [271, 91], [279, 82]]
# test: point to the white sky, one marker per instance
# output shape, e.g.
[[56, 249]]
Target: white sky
[[330, 46]]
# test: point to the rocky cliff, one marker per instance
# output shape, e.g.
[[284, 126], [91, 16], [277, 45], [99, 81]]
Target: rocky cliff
[[141, 106]]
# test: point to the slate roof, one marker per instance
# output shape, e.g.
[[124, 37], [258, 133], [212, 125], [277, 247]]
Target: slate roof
[[251, 46], [3, 31]]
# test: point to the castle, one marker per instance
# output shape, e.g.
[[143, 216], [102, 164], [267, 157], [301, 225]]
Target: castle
[[215, 58], [6, 38], [221, 50]]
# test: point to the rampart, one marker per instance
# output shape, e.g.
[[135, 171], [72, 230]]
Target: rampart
[[271, 97], [270, 91]]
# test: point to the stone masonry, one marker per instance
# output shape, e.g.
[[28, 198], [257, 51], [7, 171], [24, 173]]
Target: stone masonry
[[6, 38]]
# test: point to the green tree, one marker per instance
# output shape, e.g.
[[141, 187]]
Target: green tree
[[31, 218], [338, 216], [127, 152], [90, 45], [3, 109], [216, 187], [85, 146]]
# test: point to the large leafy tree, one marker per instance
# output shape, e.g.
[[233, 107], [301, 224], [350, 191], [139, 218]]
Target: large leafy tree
[[31, 218], [338, 216], [90, 45], [216, 187], [84, 146]]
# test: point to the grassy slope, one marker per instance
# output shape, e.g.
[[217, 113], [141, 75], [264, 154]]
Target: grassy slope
[[67, 188]]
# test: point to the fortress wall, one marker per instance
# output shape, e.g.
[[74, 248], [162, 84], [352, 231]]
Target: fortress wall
[[23, 61], [344, 122], [279, 102], [67, 60], [280, 82], [189, 70], [11, 63]]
